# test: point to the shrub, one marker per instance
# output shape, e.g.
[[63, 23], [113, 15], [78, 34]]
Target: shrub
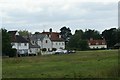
[[12, 52]]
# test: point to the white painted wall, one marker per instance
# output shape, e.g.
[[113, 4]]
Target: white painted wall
[[34, 51], [21, 47], [47, 45], [97, 46], [58, 44]]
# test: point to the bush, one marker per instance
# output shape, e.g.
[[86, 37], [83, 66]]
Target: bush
[[54, 49], [12, 52], [44, 49]]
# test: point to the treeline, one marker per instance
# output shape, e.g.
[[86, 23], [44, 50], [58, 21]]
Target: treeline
[[79, 39]]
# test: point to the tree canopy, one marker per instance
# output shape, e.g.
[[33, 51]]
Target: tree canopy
[[6, 42], [65, 33], [24, 32]]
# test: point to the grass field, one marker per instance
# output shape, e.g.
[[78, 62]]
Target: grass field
[[82, 64]]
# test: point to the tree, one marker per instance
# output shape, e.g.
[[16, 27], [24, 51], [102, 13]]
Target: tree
[[77, 42], [111, 36], [65, 33], [24, 33], [91, 34], [6, 42]]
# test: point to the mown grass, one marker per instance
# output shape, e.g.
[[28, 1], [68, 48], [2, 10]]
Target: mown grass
[[83, 64]]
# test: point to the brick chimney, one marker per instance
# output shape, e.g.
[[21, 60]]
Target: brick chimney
[[50, 29]]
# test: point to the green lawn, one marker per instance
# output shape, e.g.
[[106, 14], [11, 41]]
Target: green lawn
[[83, 64]]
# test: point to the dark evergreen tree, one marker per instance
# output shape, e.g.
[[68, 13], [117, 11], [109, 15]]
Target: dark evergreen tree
[[6, 42]]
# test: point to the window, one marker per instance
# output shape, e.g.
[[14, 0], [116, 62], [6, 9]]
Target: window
[[25, 44], [56, 43], [19, 44], [96, 43], [33, 42], [59, 43], [46, 41]]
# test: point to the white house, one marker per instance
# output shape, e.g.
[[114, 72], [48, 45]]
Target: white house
[[41, 40], [19, 43], [34, 49], [97, 44], [55, 37]]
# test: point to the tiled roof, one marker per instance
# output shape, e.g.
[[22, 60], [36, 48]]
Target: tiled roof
[[97, 42], [54, 36], [17, 38], [37, 36], [20, 39], [33, 46]]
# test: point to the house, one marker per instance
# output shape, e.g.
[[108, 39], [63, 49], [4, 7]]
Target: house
[[97, 44], [19, 43], [42, 40], [117, 45], [55, 37], [34, 49]]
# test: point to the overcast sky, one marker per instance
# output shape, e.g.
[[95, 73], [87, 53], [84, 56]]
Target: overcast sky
[[39, 15]]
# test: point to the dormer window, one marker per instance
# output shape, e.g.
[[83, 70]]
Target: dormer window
[[103, 43], [96, 43]]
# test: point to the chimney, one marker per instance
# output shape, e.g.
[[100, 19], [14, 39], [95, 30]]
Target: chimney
[[50, 29]]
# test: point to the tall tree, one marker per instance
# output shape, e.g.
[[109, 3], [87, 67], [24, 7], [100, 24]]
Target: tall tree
[[65, 33], [111, 36], [6, 42], [76, 41]]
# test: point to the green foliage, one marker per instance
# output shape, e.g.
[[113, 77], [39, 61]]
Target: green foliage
[[65, 33], [13, 52], [112, 36], [6, 42], [24, 33], [83, 45], [91, 34], [77, 42]]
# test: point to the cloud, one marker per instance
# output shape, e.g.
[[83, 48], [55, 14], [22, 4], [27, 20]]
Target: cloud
[[32, 15]]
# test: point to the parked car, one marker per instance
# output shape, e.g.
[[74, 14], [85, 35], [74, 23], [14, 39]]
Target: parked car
[[61, 51], [71, 51]]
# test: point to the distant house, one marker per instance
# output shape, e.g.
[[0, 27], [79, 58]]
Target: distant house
[[42, 40], [55, 37], [19, 43], [97, 44], [117, 45]]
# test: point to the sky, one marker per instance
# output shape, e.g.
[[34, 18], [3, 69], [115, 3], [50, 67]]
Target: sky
[[39, 15]]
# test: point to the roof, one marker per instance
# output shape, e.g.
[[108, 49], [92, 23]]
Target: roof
[[117, 45], [98, 42], [34, 46], [12, 32], [37, 36], [17, 38], [20, 39], [54, 36]]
